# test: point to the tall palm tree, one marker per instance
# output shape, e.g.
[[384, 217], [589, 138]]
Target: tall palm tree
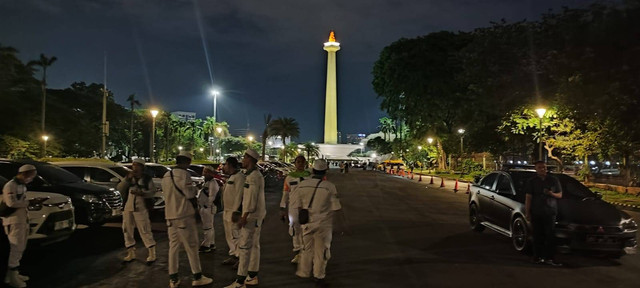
[[285, 127], [386, 127], [265, 133], [311, 149], [43, 63], [133, 102]]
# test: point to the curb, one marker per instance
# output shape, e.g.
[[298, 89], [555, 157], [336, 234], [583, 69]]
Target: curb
[[624, 206]]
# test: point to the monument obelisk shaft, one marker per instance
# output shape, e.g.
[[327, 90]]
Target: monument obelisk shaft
[[331, 104]]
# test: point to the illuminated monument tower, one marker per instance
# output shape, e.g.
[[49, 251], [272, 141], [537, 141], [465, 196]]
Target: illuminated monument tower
[[331, 105]]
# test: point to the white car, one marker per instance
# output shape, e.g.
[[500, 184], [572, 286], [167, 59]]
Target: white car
[[106, 174], [51, 219]]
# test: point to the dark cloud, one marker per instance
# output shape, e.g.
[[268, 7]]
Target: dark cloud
[[266, 56]]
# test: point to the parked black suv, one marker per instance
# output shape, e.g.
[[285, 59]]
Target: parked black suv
[[93, 204], [584, 220]]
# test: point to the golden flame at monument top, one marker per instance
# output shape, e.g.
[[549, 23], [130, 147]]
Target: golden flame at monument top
[[332, 40], [332, 36]]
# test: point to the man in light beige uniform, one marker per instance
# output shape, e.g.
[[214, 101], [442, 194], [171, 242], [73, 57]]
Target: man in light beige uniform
[[16, 224], [207, 210], [253, 213], [179, 192], [320, 198], [139, 187], [291, 182], [231, 200]]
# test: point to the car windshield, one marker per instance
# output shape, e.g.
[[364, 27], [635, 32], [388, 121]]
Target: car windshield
[[123, 172], [573, 189], [158, 171], [57, 175]]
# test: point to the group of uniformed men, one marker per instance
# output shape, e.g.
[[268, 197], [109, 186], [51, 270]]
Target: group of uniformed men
[[244, 212]]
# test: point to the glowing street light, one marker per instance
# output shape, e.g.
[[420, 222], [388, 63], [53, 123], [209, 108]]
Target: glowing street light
[[215, 94], [430, 140], [180, 148], [154, 113], [540, 112], [461, 132], [250, 138], [44, 152], [219, 130], [419, 147]]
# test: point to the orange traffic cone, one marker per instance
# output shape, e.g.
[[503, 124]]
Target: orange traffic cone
[[431, 180], [455, 188], [420, 178], [442, 183], [468, 188]]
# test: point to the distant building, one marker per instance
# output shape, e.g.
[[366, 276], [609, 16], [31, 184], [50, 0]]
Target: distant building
[[276, 142], [184, 116], [355, 138]]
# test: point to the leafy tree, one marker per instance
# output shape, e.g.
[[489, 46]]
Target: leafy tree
[[285, 127], [311, 149], [379, 145], [386, 126]]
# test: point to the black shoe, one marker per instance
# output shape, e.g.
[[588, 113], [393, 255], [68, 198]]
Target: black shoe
[[204, 249], [230, 261], [538, 260], [552, 263]]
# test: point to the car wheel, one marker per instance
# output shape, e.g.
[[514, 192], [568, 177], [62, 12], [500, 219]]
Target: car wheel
[[474, 219], [520, 234]]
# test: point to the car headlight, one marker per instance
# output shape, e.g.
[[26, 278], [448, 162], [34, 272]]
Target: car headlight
[[629, 224], [91, 198]]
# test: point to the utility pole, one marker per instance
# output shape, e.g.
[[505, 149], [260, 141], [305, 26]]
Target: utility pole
[[105, 125]]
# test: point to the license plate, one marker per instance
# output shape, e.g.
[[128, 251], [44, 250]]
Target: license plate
[[61, 225], [116, 212], [600, 239]]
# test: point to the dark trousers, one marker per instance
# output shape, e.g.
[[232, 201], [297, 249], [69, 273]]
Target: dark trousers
[[544, 237]]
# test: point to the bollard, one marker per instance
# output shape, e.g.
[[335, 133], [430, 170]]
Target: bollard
[[431, 180], [442, 183], [455, 188], [420, 178], [468, 188]]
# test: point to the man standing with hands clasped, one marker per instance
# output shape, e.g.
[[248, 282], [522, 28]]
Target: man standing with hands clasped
[[180, 209], [290, 183], [208, 210], [253, 213], [541, 208], [136, 189]]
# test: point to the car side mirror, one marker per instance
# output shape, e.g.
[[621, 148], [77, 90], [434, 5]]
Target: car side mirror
[[114, 180], [476, 179], [598, 195]]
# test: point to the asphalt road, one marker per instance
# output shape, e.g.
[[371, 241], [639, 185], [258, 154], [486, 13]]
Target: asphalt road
[[399, 233]]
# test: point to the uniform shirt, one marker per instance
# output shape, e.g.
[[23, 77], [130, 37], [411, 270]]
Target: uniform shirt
[[253, 196], [176, 205], [542, 204], [211, 188], [135, 203], [14, 194], [290, 183], [324, 203], [232, 194]]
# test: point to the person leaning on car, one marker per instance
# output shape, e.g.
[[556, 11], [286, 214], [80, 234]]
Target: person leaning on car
[[16, 224], [541, 208]]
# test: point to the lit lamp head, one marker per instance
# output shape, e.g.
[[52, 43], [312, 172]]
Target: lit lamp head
[[419, 147], [430, 140], [541, 112], [45, 138], [219, 129], [215, 93], [250, 138], [180, 148], [201, 149], [154, 113], [461, 131]]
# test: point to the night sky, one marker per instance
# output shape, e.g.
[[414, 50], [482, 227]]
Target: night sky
[[266, 55]]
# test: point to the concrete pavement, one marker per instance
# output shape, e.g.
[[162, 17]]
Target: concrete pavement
[[399, 233]]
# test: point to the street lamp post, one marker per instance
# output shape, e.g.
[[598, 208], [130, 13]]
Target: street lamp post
[[44, 151], [430, 141], [541, 112], [219, 130], [215, 94], [461, 132], [154, 113]]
